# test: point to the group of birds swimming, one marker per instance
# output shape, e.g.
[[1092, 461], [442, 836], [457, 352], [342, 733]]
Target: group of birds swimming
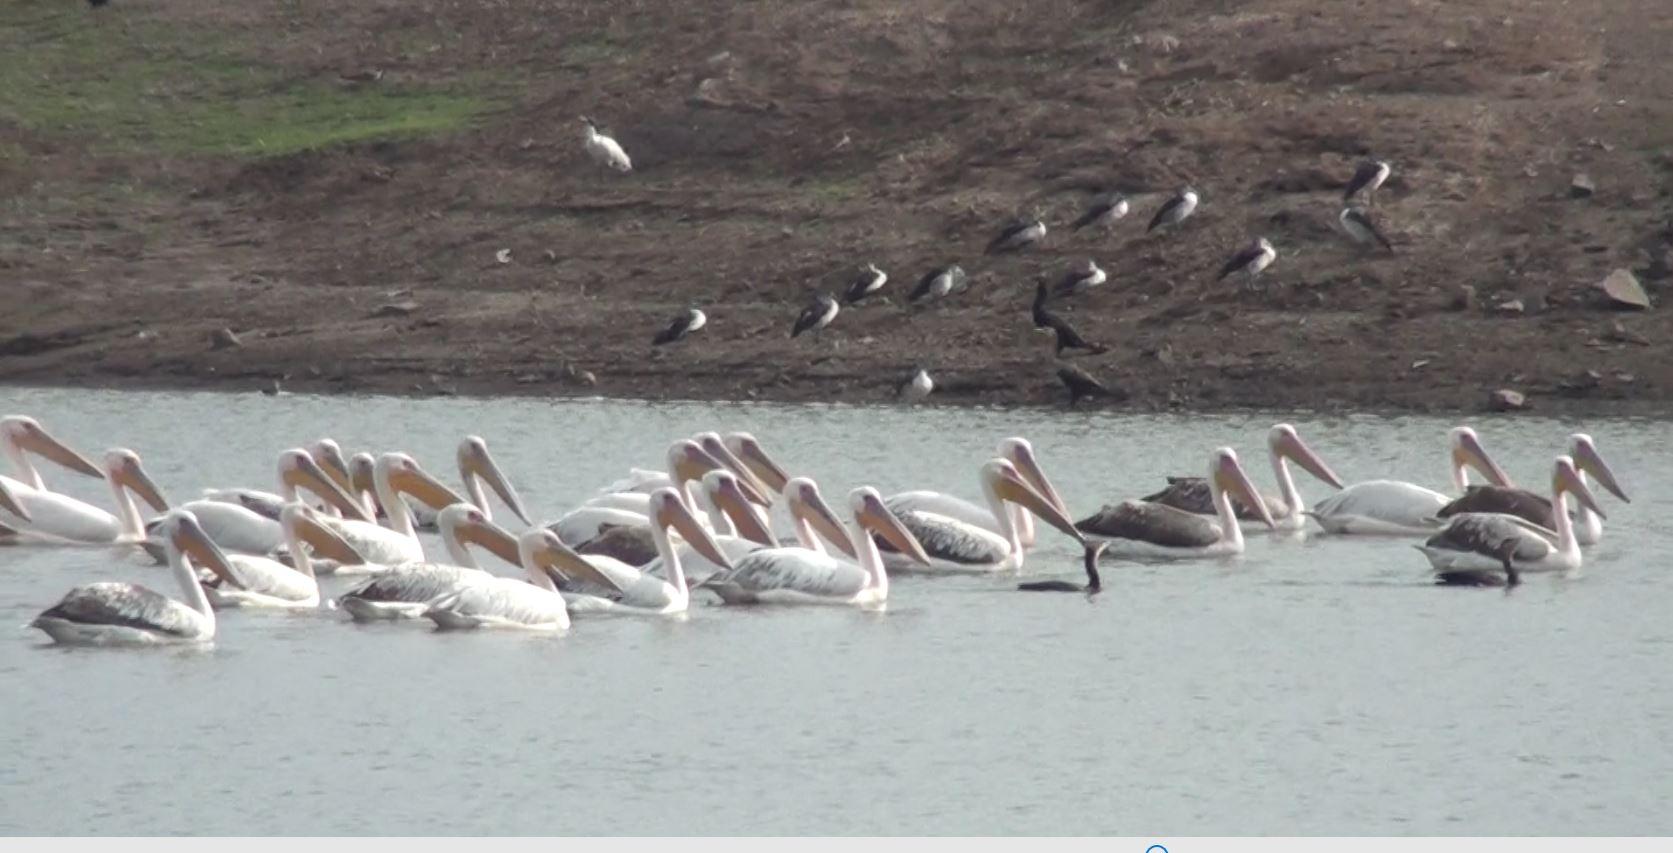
[[723, 517]]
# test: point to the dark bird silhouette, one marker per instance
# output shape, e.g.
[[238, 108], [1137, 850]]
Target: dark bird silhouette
[[1067, 337], [870, 280], [1362, 229], [682, 326], [937, 283], [1105, 211], [1094, 584], [1018, 235], [816, 316], [1080, 384], [1367, 178], [1174, 210], [1485, 577], [97, 3]]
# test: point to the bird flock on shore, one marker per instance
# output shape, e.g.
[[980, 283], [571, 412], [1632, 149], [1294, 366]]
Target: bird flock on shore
[[1105, 212], [720, 517]]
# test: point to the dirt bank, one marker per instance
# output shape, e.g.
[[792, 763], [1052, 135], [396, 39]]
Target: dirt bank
[[337, 187]]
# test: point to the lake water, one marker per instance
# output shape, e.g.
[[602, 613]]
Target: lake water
[[1313, 686]]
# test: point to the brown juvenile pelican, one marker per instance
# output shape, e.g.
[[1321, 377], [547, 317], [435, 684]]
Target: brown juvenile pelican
[[1104, 212], [1019, 234], [1141, 528], [1094, 584], [1536, 508], [1287, 510], [1174, 210], [682, 326], [1367, 178], [870, 280], [816, 316], [1482, 540]]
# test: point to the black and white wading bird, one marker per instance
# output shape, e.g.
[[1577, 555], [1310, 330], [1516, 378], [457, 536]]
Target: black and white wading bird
[[816, 316], [937, 283], [915, 387], [1359, 226], [1081, 278], [1018, 235], [870, 280], [1104, 212], [604, 150], [1094, 584], [1367, 178], [1250, 260], [682, 326], [1080, 384], [1174, 210]]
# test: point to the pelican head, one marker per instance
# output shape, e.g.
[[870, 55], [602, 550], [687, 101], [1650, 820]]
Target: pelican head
[[1468, 451], [1226, 475], [725, 494], [1565, 478], [405, 477], [305, 522], [183, 533], [9, 502], [541, 550], [26, 434], [361, 467], [298, 470], [465, 524], [688, 461], [1021, 454], [1001, 480], [668, 511], [808, 505], [1587, 459], [755, 457], [329, 454], [714, 446], [872, 515], [475, 461], [122, 467], [1286, 443]]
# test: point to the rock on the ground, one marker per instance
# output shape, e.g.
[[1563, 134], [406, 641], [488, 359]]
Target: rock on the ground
[[1622, 290], [224, 339], [1506, 400]]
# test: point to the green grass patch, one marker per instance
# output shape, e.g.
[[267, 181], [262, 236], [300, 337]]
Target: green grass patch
[[129, 85]]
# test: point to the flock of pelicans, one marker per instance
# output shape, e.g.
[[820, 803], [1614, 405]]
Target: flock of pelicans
[[721, 516]]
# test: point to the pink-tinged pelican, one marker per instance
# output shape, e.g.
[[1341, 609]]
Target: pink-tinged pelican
[[404, 591], [1394, 507], [20, 436], [1020, 453], [596, 586], [510, 603], [241, 530], [111, 613], [1536, 508], [325, 452], [1144, 529], [804, 576], [394, 475], [958, 546], [1287, 510], [58, 519], [477, 466], [262, 582], [687, 463], [1476, 541]]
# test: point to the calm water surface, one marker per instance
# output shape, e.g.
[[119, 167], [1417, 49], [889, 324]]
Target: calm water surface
[[1312, 686]]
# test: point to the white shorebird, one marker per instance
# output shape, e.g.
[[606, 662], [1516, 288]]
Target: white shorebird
[[604, 150]]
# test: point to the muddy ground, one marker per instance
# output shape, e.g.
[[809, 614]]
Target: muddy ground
[[334, 183]]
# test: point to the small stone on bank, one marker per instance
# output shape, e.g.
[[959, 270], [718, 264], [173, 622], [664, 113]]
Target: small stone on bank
[[1622, 290], [1506, 400]]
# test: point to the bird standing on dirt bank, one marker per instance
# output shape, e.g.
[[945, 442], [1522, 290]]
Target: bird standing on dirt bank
[[1080, 384], [915, 387], [1104, 212], [1362, 229], [937, 283], [1250, 260], [1067, 337], [816, 316], [1081, 279], [870, 281], [1018, 235], [1367, 178], [604, 150], [682, 326], [1174, 210]]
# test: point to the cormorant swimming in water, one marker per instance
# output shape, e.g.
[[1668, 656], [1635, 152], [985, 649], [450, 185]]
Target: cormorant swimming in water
[[1093, 585]]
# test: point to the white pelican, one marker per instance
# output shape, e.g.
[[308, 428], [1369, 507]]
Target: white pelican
[[604, 150], [1287, 510], [325, 452], [1393, 507], [1535, 508], [21, 435], [958, 546], [476, 466], [1475, 541], [262, 582], [604, 586], [626, 552], [9, 503], [402, 591], [363, 484], [625, 507], [495, 602], [1021, 454], [394, 475], [53, 518], [803, 576], [110, 613], [1144, 529], [237, 528]]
